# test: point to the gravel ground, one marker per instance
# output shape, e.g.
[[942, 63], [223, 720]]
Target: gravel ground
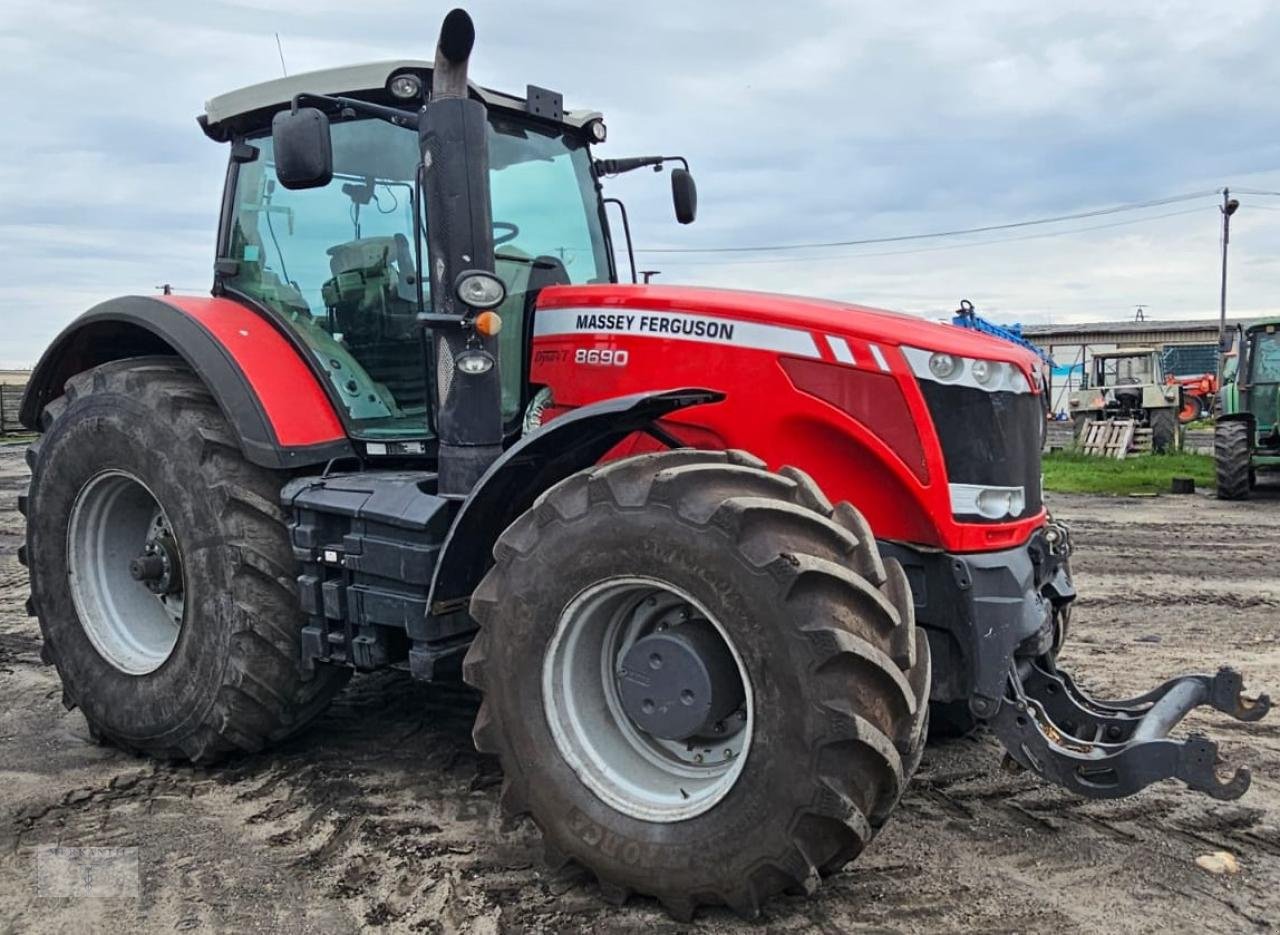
[[383, 815]]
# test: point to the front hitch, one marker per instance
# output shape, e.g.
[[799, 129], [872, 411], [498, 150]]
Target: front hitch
[[1109, 749]]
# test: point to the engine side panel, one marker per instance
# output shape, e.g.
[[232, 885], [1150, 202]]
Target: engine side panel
[[595, 342]]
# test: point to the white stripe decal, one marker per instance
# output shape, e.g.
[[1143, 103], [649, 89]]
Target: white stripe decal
[[675, 326], [879, 356], [840, 347]]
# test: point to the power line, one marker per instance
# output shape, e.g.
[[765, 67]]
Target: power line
[[964, 246], [1079, 215]]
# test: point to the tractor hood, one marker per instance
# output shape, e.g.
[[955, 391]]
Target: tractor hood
[[817, 316]]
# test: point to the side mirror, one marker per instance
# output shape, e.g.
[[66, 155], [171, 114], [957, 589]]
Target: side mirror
[[685, 195], [1226, 342], [303, 148]]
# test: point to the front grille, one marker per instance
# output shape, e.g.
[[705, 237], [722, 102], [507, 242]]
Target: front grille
[[989, 439]]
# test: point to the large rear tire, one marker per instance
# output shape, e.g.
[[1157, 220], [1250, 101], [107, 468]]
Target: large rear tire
[[1232, 456], [836, 678], [137, 464]]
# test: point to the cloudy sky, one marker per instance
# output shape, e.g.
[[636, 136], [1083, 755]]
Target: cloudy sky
[[804, 121]]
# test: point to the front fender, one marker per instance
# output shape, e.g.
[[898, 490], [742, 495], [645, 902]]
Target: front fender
[[569, 443]]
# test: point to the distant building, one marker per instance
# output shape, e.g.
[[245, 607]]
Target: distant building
[[1187, 347]]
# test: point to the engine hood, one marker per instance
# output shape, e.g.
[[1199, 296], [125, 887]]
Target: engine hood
[[814, 315]]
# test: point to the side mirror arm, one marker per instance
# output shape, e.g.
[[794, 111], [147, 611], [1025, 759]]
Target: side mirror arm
[[400, 118]]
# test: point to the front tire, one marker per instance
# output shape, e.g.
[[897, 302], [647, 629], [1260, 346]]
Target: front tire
[[1232, 459], [823, 631], [136, 462], [1164, 430]]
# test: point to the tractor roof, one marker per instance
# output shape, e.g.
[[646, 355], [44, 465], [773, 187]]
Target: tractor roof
[[250, 107], [1126, 352]]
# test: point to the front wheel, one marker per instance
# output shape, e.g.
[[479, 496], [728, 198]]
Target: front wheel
[[703, 682], [1232, 459], [1164, 430]]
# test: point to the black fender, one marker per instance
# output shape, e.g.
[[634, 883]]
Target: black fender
[[575, 440], [140, 326], [1248, 417]]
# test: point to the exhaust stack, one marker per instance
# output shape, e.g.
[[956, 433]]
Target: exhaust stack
[[459, 218]]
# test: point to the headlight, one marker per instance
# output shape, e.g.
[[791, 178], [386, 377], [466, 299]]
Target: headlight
[[942, 366], [405, 87], [995, 503], [990, 376], [479, 289], [597, 130], [474, 361]]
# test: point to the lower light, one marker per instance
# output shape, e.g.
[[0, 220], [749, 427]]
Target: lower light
[[987, 502], [474, 362]]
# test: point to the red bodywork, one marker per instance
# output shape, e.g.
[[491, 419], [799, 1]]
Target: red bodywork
[[816, 384], [1203, 388], [291, 397]]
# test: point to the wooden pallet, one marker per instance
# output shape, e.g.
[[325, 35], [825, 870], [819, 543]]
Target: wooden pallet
[[1110, 439]]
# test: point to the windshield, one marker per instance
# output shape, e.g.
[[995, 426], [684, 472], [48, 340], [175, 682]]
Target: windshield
[[1265, 364], [337, 262], [1123, 371]]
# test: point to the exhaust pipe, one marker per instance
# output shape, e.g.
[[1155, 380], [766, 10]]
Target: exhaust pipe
[[455, 166]]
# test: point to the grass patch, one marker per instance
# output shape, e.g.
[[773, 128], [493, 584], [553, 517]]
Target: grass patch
[[1072, 472]]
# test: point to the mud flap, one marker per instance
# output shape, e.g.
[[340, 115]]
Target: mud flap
[[1110, 749]]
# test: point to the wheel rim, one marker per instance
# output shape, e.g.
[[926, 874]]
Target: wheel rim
[[125, 572], [629, 768]]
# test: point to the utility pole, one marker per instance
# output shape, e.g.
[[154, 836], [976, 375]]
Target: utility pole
[[1229, 206]]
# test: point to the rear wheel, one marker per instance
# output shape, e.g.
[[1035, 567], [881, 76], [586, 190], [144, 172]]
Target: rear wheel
[[703, 682], [1192, 409], [1164, 430], [1232, 456], [161, 569]]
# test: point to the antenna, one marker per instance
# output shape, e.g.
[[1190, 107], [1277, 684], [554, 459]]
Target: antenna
[[280, 49]]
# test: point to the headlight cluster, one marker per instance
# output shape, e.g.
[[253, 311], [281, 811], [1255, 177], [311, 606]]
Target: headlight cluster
[[988, 502], [993, 376]]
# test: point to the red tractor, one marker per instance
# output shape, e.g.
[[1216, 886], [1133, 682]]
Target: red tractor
[[419, 418], [1198, 395]]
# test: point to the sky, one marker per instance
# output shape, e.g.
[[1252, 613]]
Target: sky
[[804, 121]]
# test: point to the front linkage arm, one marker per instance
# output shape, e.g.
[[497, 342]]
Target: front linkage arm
[[1109, 749]]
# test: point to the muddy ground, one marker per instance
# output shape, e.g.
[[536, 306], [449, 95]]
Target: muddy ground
[[382, 815]]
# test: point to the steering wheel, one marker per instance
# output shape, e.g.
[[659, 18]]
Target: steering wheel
[[511, 232]]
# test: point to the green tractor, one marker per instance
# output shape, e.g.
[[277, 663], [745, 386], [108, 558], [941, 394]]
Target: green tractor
[[1246, 438]]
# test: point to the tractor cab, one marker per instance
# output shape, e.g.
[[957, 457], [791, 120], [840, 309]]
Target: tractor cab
[[1134, 366], [338, 263], [1261, 384]]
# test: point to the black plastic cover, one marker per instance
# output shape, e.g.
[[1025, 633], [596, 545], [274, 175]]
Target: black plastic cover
[[992, 439], [367, 546]]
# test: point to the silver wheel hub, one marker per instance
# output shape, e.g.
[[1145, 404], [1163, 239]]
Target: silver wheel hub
[[125, 572], [648, 699]]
